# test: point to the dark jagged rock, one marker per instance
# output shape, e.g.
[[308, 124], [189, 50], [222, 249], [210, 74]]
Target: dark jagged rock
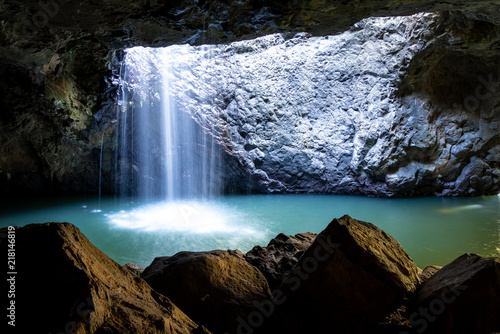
[[428, 272], [216, 288], [282, 253], [351, 277], [461, 298], [65, 284], [161, 23]]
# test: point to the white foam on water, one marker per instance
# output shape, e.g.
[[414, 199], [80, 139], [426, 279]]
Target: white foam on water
[[462, 208], [183, 216]]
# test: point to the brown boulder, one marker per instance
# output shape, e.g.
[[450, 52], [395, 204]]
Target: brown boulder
[[214, 288], [64, 284], [281, 254], [134, 268], [350, 278], [428, 272], [462, 297]]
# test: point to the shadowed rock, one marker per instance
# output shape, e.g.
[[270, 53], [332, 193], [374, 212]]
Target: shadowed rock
[[64, 284], [215, 288], [428, 272], [280, 255], [461, 298], [350, 278]]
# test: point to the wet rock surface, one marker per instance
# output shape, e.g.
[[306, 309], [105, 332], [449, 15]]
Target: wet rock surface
[[334, 114], [216, 288], [64, 283]]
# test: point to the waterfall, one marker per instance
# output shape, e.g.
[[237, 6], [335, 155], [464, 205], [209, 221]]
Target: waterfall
[[163, 152], [100, 169]]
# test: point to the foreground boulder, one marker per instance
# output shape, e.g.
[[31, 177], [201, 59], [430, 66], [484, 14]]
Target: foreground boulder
[[64, 284], [350, 278], [280, 255], [215, 288], [461, 298]]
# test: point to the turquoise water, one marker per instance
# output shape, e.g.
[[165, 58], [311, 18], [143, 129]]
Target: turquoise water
[[432, 230]]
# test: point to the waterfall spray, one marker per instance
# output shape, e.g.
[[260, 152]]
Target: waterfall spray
[[100, 169], [164, 152]]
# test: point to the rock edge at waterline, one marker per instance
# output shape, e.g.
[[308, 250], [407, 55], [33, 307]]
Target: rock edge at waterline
[[351, 278]]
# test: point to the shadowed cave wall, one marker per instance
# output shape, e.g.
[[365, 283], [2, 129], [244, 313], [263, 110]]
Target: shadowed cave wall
[[58, 96]]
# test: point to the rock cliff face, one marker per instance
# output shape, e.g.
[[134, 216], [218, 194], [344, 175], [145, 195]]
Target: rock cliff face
[[336, 115], [412, 108]]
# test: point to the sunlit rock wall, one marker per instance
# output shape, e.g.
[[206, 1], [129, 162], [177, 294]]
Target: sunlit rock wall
[[328, 114]]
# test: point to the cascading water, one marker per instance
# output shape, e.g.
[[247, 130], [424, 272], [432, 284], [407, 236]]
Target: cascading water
[[163, 153]]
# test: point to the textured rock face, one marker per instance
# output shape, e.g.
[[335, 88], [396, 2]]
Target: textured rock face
[[158, 23], [428, 272], [65, 284], [334, 114], [282, 253], [134, 268], [215, 288], [48, 129], [350, 278], [462, 297], [57, 108]]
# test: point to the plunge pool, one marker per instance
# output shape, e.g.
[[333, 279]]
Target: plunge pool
[[431, 230]]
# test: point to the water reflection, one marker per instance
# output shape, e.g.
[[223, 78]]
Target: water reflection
[[182, 216]]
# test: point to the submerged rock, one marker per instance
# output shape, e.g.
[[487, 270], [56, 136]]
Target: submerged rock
[[461, 298], [64, 284], [350, 278], [280, 255], [216, 288]]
